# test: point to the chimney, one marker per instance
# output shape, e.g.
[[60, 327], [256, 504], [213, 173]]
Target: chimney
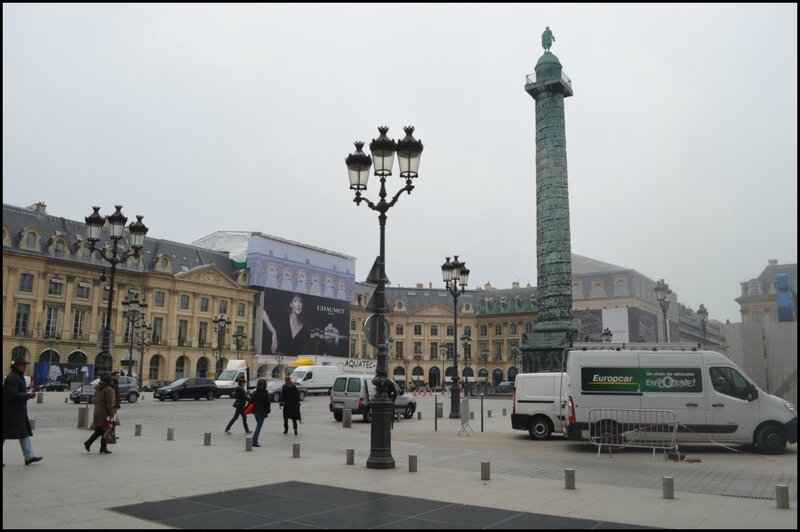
[[773, 262], [430, 284], [419, 285], [515, 284], [39, 207], [487, 286]]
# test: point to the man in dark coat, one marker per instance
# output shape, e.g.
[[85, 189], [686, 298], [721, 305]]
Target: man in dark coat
[[290, 402], [16, 425], [115, 385]]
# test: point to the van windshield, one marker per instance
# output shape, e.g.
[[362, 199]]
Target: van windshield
[[227, 375], [297, 376]]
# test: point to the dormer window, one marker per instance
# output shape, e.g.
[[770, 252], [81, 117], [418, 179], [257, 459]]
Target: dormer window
[[58, 248], [31, 239]]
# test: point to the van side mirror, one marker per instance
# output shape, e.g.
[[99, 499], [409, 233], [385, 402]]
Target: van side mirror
[[752, 393]]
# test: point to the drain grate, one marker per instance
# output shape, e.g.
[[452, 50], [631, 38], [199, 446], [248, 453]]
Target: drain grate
[[749, 497]]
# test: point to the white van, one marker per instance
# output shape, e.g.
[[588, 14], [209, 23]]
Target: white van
[[711, 397], [354, 391], [538, 403], [315, 379], [226, 381]]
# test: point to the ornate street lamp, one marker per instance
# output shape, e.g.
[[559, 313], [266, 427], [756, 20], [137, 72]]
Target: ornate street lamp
[[465, 343], [484, 360], [221, 326], [238, 338], [607, 335], [358, 163], [134, 313], [455, 276], [417, 358], [116, 222], [702, 315], [662, 296], [516, 354], [144, 336]]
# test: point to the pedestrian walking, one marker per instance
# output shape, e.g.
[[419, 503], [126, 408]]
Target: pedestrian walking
[[290, 402], [16, 425], [261, 407], [239, 402], [103, 410], [115, 385]]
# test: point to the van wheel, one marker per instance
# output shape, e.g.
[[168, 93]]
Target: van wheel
[[771, 440], [607, 432], [540, 428], [337, 416], [367, 415], [276, 397], [210, 396], [302, 396], [133, 397]]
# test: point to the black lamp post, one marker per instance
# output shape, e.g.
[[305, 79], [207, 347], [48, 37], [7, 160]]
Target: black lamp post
[[484, 360], [144, 336], [662, 295], [455, 275], [417, 358], [465, 343], [358, 163], [516, 354], [134, 313], [116, 222], [702, 315], [221, 326], [607, 335], [239, 337]]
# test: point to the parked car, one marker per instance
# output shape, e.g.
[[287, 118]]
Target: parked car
[[155, 385], [187, 388], [128, 391], [275, 386], [53, 386], [504, 388]]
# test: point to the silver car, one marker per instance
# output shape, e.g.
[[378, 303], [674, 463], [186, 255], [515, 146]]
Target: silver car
[[354, 392]]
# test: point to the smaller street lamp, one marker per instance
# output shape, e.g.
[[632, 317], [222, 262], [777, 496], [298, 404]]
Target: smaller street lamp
[[134, 312], [466, 341], [662, 295], [702, 315], [455, 276], [417, 358], [239, 337], [484, 360], [221, 326]]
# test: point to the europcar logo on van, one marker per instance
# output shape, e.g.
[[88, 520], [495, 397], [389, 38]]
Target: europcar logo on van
[[630, 380]]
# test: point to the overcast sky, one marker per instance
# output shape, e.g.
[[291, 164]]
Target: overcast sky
[[681, 135]]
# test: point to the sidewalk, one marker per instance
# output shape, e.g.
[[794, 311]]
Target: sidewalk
[[74, 489]]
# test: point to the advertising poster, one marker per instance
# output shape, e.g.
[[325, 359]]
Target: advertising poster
[[637, 380], [301, 324], [66, 372]]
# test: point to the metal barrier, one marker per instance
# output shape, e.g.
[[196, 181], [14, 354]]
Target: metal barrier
[[617, 428]]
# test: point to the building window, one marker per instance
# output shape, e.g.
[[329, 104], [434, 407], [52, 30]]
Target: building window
[[598, 291], [352, 348], [398, 349], [128, 331], [223, 306], [158, 329], [26, 283], [352, 325], [417, 330], [498, 330], [398, 329], [78, 324], [418, 348], [434, 330], [83, 291], [512, 329], [30, 240], [202, 334], [153, 370], [183, 327], [434, 350], [51, 323], [449, 330], [468, 330], [483, 330], [756, 316], [23, 317], [105, 293], [620, 289], [498, 351], [203, 304], [755, 288], [577, 291], [58, 248], [184, 302], [240, 309], [159, 299], [529, 327], [56, 287]]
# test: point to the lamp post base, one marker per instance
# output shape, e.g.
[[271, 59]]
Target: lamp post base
[[455, 402], [380, 455]]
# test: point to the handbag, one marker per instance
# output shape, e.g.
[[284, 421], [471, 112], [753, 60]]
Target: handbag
[[110, 436], [249, 408]]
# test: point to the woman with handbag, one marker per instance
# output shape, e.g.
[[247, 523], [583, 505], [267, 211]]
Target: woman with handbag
[[260, 406], [239, 402], [103, 409], [290, 402]]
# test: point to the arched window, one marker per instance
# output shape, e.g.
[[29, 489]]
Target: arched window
[[30, 240], [620, 288], [103, 363], [755, 288], [58, 248], [577, 291], [202, 368], [180, 367], [598, 291], [154, 367], [77, 357], [19, 351], [50, 356]]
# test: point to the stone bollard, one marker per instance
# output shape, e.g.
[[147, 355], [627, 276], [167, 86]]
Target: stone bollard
[[296, 450], [207, 438], [782, 496], [66, 400], [488, 413], [351, 457], [248, 443], [485, 470], [668, 488], [83, 418], [504, 411], [347, 418], [170, 434], [569, 479], [439, 409], [40, 397], [33, 423], [137, 430], [419, 415], [412, 463]]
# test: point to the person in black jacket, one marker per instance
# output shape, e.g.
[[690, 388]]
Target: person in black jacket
[[261, 408], [115, 385], [16, 425], [239, 402], [290, 402]]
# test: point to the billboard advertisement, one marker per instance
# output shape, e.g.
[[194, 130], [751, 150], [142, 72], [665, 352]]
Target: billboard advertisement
[[294, 324], [65, 372]]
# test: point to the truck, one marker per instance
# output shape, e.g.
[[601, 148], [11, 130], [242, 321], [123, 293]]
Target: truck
[[538, 403], [712, 399], [315, 379], [226, 381]]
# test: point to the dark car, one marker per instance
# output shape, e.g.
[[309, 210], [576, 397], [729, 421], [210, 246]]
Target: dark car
[[128, 391], [153, 386], [53, 386], [187, 388]]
